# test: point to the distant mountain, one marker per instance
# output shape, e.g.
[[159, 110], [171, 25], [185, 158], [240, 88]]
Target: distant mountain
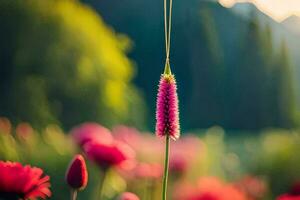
[[292, 24], [287, 31], [248, 10]]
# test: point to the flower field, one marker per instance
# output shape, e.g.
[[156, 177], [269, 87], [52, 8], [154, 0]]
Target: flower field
[[207, 166]]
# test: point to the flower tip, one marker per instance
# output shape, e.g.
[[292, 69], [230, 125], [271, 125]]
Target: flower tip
[[77, 175], [167, 70]]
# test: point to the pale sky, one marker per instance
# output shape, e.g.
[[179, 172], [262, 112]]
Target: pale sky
[[278, 9]]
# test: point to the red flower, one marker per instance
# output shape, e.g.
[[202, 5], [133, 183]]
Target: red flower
[[294, 193], [116, 154], [22, 182], [144, 144], [167, 115], [288, 197], [254, 187], [295, 189], [88, 132], [77, 175], [128, 196], [209, 189]]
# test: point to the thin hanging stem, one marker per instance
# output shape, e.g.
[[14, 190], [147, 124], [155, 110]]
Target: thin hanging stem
[[168, 26], [73, 194], [166, 169], [169, 31]]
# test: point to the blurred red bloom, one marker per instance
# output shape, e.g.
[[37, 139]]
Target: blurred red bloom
[[5, 125], [178, 164], [209, 188], [254, 187], [148, 171], [128, 196], [288, 197], [22, 182], [88, 132], [24, 131], [146, 145], [184, 153], [129, 135], [116, 154], [294, 193], [77, 175], [295, 189]]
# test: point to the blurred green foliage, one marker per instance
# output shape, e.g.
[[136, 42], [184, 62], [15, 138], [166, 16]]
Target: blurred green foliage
[[272, 155], [60, 63]]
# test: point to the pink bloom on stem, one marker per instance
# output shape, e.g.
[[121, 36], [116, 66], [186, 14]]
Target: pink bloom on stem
[[167, 115], [77, 175], [128, 196], [22, 182], [88, 132], [116, 154]]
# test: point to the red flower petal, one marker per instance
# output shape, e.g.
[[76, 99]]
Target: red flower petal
[[23, 181]]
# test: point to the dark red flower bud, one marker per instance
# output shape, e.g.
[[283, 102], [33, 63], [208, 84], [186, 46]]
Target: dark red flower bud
[[77, 175]]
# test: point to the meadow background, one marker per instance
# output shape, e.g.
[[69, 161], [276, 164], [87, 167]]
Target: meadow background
[[65, 62]]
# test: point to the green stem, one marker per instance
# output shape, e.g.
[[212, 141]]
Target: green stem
[[166, 170], [145, 192], [167, 70], [152, 190], [73, 194], [102, 183]]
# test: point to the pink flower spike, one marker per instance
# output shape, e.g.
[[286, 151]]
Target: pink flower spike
[[167, 115], [77, 175]]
